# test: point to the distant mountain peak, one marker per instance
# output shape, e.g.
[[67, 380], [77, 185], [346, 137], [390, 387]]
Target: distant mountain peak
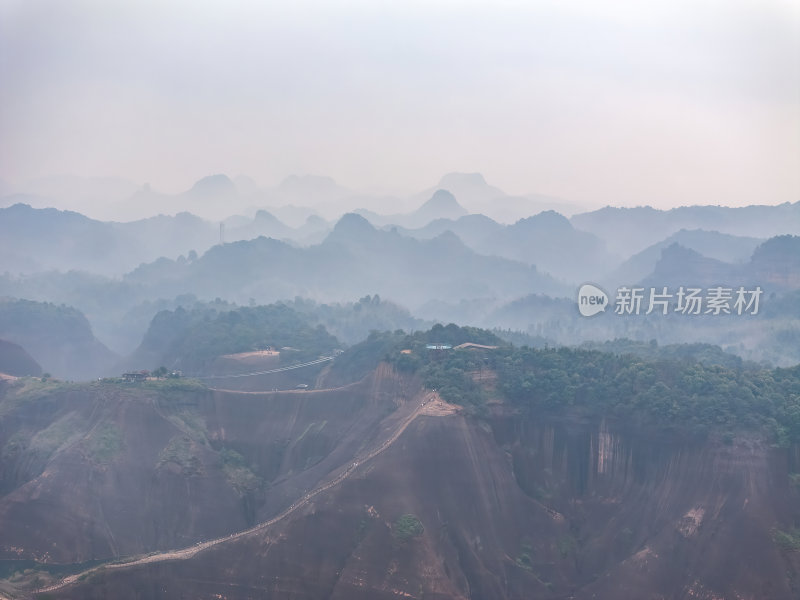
[[352, 227], [441, 205], [547, 218], [779, 249], [459, 179], [448, 239], [443, 200], [263, 216], [214, 184], [351, 220], [679, 252]]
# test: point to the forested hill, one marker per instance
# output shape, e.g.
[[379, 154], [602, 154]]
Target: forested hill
[[190, 340], [692, 388], [356, 259], [678, 394], [15, 361], [59, 338]]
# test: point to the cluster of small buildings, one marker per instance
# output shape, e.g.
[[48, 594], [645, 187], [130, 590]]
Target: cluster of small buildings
[[137, 376]]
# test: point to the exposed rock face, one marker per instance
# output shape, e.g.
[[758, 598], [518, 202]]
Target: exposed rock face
[[97, 472], [657, 514], [510, 507]]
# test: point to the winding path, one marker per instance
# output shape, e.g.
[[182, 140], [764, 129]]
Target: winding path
[[424, 407]]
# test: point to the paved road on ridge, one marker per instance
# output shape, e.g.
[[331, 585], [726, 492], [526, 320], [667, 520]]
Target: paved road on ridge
[[321, 359]]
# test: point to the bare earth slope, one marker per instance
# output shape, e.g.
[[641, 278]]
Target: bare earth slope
[[501, 507], [690, 522], [105, 471]]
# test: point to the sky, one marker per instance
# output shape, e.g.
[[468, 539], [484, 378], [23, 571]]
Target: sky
[[625, 103]]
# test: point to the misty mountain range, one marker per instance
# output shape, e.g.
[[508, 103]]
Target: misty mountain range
[[354, 259], [712, 244], [438, 260], [630, 230], [588, 246], [217, 197]]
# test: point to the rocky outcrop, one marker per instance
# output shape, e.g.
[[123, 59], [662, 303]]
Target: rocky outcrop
[[504, 507]]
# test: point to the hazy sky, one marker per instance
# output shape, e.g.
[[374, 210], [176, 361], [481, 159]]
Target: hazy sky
[[659, 102]]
